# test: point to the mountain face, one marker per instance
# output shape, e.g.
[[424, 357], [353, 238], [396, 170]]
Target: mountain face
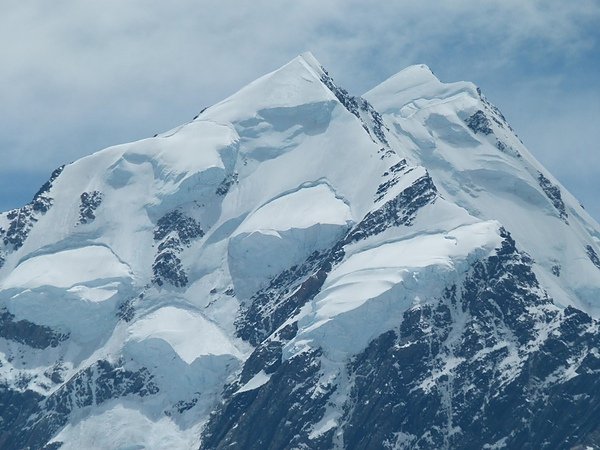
[[301, 268]]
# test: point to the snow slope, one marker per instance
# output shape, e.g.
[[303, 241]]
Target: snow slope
[[486, 169], [160, 293]]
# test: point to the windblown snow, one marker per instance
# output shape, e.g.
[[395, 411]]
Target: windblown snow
[[68, 269]]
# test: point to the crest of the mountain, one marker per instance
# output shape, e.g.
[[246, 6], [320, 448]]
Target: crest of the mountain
[[298, 267]]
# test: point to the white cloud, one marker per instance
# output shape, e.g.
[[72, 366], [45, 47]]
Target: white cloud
[[77, 76]]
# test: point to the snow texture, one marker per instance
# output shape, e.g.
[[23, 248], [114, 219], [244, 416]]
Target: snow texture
[[300, 267]]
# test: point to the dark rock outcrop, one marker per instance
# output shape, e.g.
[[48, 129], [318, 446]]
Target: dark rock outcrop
[[392, 177], [226, 184], [30, 420], [479, 123], [553, 193], [23, 219], [89, 203], [370, 118], [593, 256], [173, 232], [401, 210], [488, 364], [28, 333]]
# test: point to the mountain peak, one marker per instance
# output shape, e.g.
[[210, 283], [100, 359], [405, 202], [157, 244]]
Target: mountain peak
[[292, 269], [295, 83], [418, 73], [413, 83], [310, 61], [301, 64], [408, 78]]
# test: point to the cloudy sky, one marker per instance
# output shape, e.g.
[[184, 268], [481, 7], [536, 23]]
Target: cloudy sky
[[79, 76]]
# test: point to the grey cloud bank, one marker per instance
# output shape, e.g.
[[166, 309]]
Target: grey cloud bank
[[77, 77]]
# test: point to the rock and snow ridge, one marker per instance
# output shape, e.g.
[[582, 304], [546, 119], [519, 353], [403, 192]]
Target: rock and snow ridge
[[301, 268]]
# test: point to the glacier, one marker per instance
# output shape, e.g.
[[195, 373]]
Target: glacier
[[297, 267]]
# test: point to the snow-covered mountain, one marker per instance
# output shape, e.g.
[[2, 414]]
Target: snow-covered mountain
[[300, 268]]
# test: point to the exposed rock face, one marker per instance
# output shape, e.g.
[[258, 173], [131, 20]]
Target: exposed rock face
[[593, 255], [285, 295], [360, 107], [30, 419], [41, 201], [23, 219], [89, 203], [282, 424], [553, 193], [28, 333], [479, 123], [484, 365], [173, 232], [226, 184], [399, 211], [392, 177]]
